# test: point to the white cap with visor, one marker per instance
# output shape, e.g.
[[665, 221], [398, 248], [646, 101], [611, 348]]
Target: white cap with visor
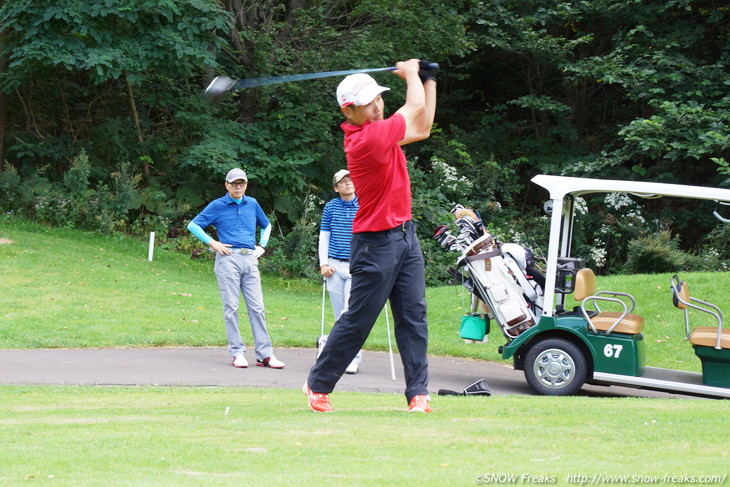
[[358, 89], [235, 174]]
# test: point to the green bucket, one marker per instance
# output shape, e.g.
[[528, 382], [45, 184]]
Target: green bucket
[[473, 327]]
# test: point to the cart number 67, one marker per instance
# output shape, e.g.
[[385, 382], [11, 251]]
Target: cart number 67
[[612, 350]]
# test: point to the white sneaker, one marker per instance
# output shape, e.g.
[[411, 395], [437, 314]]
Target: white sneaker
[[240, 361], [271, 362], [353, 368]]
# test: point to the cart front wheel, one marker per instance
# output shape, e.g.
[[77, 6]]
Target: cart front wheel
[[555, 367]]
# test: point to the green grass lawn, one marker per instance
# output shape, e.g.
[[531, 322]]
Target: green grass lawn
[[64, 288], [70, 436]]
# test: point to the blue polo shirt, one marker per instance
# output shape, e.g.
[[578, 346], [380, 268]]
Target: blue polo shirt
[[337, 218], [235, 223]]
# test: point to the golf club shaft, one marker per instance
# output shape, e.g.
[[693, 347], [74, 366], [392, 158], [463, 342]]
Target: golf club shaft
[[390, 344], [288, 78], [324, 287], [270, 80]]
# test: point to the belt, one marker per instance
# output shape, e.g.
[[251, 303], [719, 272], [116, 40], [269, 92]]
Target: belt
[[340, 260], [403, 227], [242, 251]]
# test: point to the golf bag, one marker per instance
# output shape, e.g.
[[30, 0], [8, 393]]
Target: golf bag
[[502, 276]]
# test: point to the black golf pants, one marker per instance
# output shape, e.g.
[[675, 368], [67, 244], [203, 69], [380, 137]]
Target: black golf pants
[[384, 265]]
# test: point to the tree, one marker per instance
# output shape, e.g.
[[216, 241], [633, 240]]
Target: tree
[[288, 135], [670, 63], [73, 56], [601, 88]]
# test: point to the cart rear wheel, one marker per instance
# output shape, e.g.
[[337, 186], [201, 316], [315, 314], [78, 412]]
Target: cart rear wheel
[[555, 367]]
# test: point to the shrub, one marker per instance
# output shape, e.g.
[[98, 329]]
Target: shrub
[[437, 261], [718, 241], [10, 196], [715, 253], [18, 195], [189, 245], [294, 254], [655, 254], [706, 261], [73, 202]]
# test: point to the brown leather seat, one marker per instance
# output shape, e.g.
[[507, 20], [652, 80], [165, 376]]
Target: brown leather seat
[[631, 323], [605, 321], [704, 336]]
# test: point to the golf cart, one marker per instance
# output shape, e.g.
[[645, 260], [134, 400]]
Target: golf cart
[[560, 349]]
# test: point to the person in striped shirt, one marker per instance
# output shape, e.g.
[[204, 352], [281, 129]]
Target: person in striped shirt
[[335, 234]]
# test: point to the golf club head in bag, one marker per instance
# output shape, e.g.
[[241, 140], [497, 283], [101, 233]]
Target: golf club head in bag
[[469, 231], [477, 388], [470, 228], [442, 235], [459, 212]]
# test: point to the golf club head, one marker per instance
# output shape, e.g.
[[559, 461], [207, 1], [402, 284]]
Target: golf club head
[[218, 88], [478, 388], [321, 342]]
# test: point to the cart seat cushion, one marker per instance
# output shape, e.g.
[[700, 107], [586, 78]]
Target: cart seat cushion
[[683, 291], [631, 324], [706, 336], [585, 284]]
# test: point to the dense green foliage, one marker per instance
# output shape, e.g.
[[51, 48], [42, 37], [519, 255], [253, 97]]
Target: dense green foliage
[[103, 123]]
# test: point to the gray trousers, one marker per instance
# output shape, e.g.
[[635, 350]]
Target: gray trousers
[[236, 274], [384, 265]]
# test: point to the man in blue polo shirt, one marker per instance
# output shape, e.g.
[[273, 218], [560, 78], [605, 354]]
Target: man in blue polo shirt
[[235, 217], [335, 234]]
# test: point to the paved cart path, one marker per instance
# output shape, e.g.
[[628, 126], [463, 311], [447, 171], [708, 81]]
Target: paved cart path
[[210, 366]]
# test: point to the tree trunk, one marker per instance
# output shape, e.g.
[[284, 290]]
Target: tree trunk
[[3, 102], [536, 88], [252, 15], [135, 115], [3, 118]]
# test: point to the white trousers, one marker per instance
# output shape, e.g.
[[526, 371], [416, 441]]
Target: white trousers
[[338, 288]]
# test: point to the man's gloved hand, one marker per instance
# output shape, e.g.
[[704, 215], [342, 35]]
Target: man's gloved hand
[[427, 70], [258, 251]]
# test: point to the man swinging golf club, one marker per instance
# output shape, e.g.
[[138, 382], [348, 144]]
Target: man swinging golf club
[[386, 261]]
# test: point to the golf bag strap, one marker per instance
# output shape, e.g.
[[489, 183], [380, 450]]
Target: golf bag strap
[[484, 255]]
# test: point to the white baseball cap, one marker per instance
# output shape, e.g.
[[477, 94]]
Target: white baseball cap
[[339, 175], [236, 174], [358, 89]]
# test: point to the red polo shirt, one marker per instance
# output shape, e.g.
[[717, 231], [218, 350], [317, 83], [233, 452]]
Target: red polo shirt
[[379, 171]]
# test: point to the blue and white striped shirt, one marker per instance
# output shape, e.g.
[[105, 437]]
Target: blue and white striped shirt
[[337, 219]]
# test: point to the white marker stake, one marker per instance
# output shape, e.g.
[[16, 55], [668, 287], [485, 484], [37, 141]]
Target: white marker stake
[[152, 246]]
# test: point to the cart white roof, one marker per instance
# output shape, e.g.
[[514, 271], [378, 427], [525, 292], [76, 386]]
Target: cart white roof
[[559, 186]]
